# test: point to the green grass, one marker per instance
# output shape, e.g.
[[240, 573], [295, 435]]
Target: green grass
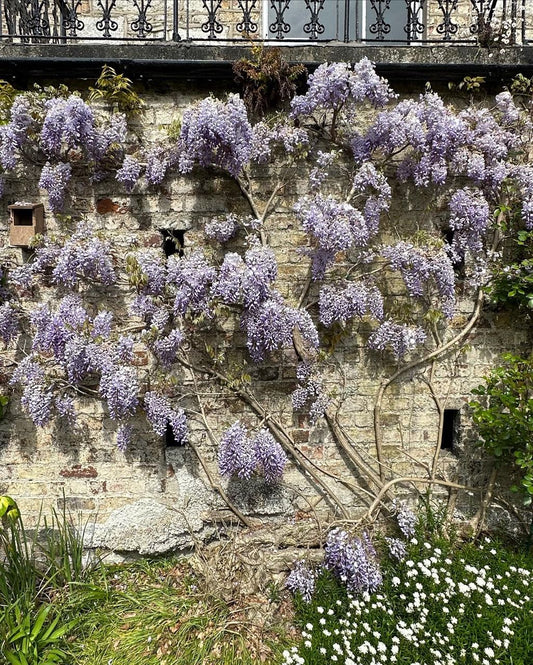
[[445, 604], [157, 613]]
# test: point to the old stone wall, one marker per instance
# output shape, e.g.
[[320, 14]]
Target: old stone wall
[[165, 490]]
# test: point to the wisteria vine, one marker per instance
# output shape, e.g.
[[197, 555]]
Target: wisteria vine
[[183, 301]]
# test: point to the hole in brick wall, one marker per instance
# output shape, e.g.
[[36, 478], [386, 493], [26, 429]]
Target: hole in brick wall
[[173, 241], [170, 439], [450, 429]]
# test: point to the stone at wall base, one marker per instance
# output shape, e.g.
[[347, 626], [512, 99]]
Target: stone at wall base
[[145, 527]]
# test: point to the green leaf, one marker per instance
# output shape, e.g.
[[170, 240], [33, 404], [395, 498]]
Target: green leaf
[[12, 658], [39, 622]]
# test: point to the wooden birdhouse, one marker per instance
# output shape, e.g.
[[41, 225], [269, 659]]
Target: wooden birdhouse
[[26, 220]]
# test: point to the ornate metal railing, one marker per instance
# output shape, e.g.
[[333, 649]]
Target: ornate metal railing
[[485, 22]]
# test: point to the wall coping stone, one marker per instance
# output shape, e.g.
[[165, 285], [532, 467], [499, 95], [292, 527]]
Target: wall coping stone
[[190, 61]]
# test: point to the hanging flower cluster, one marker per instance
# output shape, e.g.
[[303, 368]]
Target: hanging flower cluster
[[242, 457]]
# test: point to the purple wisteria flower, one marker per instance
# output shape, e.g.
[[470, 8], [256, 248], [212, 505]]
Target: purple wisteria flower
[[76, 358], [107, 139], [268, 136], [119, 387], [124, 437], [269, 455], [420, 265], [65, 408], [397, 548], [337, 304], [157, 164], [309, 394], [190, 279], [178, 423], [55, 179], [68, 123], [215, 133], [236, 455], [353, 560], [303, 371], [102, 325], [320, 171], [151, 262], [9, 323], [228, 285], [27, 371], [123, 349], [469, 219], [429, 132], [161, 415], [247, 281], [505, 104], [83, 258], [129, 173], [399, 338], [54, 330], [332, 86], [270, 325], [241, 456], [222, 229], [37, 400], [166, 348], [16, 133], [37, 397], [334, 226], [301, 580], [406, 519], [261, 272], [369, 179]]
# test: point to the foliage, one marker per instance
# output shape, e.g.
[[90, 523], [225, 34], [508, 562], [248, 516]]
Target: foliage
[[444, 603], [116, 90], [513, 283], [266, 79], [62, 547], [504, 416], [19, 576], [31, 629], [7, 97], [521, 85], [469, 84], [60, 133], [32, 640]]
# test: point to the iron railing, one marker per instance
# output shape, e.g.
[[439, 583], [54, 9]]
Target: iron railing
[[484, 22]]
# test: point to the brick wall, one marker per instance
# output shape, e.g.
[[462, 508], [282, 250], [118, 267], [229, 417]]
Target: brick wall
[[40, 467]]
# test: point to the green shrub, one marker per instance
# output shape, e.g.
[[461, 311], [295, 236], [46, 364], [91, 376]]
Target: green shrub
[[29, 572], [504, 416]]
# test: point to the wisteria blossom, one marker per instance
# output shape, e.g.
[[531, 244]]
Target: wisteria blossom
[[240, 455], [215, 133]]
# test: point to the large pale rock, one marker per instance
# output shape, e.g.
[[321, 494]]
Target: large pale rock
[[146, 527]]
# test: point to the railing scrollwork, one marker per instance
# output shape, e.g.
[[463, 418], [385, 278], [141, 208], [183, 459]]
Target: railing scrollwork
[[481, 22]]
